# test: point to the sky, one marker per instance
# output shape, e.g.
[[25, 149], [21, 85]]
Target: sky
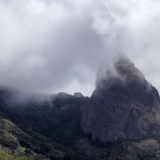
[[60, 45]]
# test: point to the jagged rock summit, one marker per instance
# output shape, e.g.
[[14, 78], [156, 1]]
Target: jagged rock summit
[[124, 105]]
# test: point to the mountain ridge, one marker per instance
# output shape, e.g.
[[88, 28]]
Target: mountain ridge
[[119, 121]]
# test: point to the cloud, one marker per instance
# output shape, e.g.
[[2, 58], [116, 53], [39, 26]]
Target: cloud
[[51, 45]]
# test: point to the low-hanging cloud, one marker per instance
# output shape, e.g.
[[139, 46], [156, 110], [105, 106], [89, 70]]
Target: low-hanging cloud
[[52, 45]]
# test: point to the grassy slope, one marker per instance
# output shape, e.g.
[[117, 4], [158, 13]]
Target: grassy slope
[[19, 154], [18, 145], [10, 148]]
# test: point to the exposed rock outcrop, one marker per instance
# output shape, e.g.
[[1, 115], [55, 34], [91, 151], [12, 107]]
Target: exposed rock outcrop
[[123, 106]]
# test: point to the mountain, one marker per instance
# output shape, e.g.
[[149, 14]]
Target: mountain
[[53, 125], [120, 121], [123, 106]]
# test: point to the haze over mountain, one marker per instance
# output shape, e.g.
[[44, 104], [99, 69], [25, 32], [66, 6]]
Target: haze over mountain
[[77, 80], [119, 121]]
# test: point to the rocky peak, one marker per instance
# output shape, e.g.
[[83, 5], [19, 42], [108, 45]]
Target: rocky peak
[[123, 106]]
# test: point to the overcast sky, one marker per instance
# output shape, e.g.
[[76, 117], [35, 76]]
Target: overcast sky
[[59, 45]]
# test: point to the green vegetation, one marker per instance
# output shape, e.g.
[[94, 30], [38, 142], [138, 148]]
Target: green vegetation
[[7, 138], [19, 154], [10, 148]]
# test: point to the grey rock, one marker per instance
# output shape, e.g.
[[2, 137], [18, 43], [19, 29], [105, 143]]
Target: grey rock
[[78, 95], [123, 106]]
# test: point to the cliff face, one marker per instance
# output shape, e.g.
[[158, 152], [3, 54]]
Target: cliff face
[[123, 106]]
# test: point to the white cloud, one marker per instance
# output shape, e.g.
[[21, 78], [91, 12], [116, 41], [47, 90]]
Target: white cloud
[[51, 45]]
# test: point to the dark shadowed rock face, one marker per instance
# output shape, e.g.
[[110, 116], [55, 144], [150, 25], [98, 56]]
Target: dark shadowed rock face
[[123, 106]]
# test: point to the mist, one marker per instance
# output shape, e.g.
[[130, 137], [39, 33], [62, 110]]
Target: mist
[[51, 46]]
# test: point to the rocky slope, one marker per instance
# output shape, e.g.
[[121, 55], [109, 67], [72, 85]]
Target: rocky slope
[[123, 106]]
